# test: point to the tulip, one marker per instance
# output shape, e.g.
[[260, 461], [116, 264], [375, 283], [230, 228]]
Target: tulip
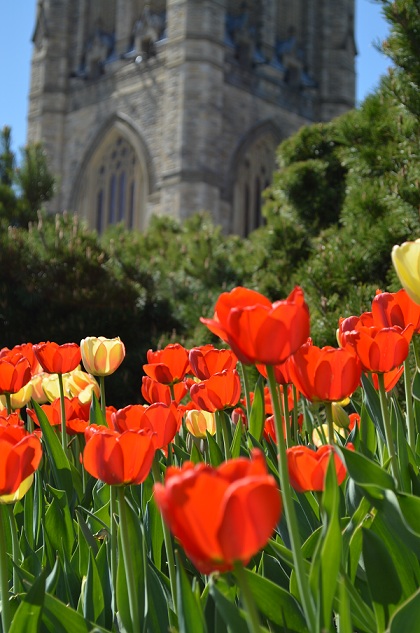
[[380, 349], [159, 419], [307, 468], [38, 393], [21, 454], [207, 360], [58, 359], [167, 366], [15, 372], [220, 391], [153, 391], [199, 423], [20, 398], [27, 350], [406, 261], [257, 330], [220, 515], [102, 356], [325, 374], [395, 308], [119, 458], [79, 384]]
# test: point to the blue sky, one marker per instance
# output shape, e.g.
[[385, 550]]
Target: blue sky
[[16, 28]]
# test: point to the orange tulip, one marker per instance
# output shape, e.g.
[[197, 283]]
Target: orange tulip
[[159, 419], [207, 360], [257, 330], [102, 356], [27, 350], [220, 515], [220, 391], [15, 372], [167, 366], [395, 308], [153, 391], [58, 359], [21, 454], [380, 349], [325, 374], [307, 468], [119, 458]]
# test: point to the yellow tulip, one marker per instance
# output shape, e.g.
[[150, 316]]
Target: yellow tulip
[[102, 356], [20, 398], [198, 422], [79, 383], [406, 260]]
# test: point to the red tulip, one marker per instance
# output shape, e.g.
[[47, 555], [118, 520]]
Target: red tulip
[[395, 308], [27, 350], [220, 391], [119, 458], [325, 374], [257, 330], [153, 391], [160, 419], [281, 372], [380, 349], [77, 414], [220, 515], [207, 360], [21, 454], [307, 468], [15, 372], [58, 359], [168, 365]]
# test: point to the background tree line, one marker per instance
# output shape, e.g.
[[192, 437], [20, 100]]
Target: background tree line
[[344, 193]]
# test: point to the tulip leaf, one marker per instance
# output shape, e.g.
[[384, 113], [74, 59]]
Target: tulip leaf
[[373, 405], [60, 618], [416, 386], [407, 616], [231, 615], [402, 446], [28, 614], [95, 414], [136, 541], [382, 577], [157, 604], [190, 614], [93, 598], [60, 465], [366, 473], [277, 604], [216, 456], [256, 418], [235, 448], [58, 523]]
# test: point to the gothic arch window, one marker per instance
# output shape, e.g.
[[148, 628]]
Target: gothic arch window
[[254, 172], [113, 187]]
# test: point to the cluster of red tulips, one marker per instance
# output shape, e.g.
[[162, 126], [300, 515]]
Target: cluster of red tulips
[[228, 463]]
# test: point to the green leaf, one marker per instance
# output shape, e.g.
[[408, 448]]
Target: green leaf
[[136, 540], [95, 414], [58, 523], [224, 599], [28, 615], [60, 465], [256, 418], [277, 604], [216, 455], [93, 596], [366, 473], [190, 615], [373, 405], [157, 611], [407, 616], [384, 584], [235, 448], [60, 618]]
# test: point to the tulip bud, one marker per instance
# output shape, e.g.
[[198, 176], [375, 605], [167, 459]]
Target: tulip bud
[[102, 356], [339, 415]]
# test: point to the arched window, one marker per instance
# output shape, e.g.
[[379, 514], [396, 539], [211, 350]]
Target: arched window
[[254, 171], [113, 186]]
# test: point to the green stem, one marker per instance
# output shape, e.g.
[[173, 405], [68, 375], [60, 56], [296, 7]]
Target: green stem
[[286, 415], [103, 401], [289, 510], [113, 536], [295, 414], [63, 414], [246, 389], [248, 599], [330, 423], [15, 546], [8, 403], [4, 578], [128, 561], [388, 430], [221, 420], [168, 542], [409, 406], [415, 344]]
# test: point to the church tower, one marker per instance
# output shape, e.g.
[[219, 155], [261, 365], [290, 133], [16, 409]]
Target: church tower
[[176, 106]]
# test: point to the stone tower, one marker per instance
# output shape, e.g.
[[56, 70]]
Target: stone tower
[[175, 106]]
